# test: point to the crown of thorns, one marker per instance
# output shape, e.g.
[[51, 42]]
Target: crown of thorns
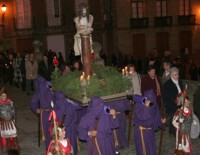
[[83, 6]]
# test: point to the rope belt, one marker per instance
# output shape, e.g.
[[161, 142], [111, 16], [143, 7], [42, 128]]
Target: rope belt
[[43, 110], [116, 139], [141, 128], [97, 145]]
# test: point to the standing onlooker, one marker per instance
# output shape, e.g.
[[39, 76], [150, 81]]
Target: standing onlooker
[[17, 70], [151, 81], [8, 131], [25, 58], [166, 75], [135, 80], [171, 89], [9, 69], [31, 73], [193, 71], [44, 69]]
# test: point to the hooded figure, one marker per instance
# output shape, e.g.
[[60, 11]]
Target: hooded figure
[[96, 127], [120, 138], [147, 120], [41, 105], [66, 114]]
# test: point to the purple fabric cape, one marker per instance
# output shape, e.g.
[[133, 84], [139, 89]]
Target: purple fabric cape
[[104, 128], [66, 114], [121, 106], [42, 98], [148, 117]]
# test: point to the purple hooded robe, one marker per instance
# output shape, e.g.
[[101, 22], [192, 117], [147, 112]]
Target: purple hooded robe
[[150, 119], [66, 114], [104, 128], [121, 106], [41, 99]]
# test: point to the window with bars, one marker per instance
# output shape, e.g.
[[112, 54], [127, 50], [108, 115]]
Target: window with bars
[[23, 14], [184, 6], [161, 8], [137, 9], [53, 12]]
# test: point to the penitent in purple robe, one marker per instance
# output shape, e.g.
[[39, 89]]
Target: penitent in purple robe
[[66, 114], [41, 99], [121, 106], [104, 127], [150, 119]]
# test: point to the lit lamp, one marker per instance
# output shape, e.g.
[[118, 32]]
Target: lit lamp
[[3, 9]]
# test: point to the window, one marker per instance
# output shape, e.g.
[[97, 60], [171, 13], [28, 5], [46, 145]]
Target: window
[[161, 8], [184, 7], [137, 9], [23, 14], [53, 12]]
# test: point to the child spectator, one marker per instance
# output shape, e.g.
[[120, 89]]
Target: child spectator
[[7, 123]]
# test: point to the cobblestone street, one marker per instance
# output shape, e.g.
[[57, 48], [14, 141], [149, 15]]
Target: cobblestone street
[[27, 125]]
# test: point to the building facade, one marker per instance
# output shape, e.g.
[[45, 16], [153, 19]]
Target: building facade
[[133, 27]]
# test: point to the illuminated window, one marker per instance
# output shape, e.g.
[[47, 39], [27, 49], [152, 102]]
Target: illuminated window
[[53, 12], [137, 9], [161, 8], [184, 7], [23, 14]]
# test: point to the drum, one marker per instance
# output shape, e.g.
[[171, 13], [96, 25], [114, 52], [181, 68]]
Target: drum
[[195, 128]]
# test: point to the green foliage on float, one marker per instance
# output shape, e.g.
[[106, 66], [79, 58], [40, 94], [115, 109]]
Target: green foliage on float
[[104, 82]]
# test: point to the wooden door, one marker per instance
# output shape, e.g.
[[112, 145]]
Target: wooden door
[[162, 42], [139, 45]]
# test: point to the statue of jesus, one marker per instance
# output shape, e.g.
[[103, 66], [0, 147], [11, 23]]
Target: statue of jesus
[[83, 24]]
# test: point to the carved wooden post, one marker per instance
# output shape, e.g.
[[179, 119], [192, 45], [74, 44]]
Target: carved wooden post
[[86, 52]]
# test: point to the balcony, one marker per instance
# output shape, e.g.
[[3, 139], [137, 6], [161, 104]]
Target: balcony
[[163, 21], [139, 23], [186, 20]]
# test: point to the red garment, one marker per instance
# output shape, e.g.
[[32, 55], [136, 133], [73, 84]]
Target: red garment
[[6, 101], [64, 150], [11, 142]]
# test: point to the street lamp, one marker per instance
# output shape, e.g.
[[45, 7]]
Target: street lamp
[[3, 9]]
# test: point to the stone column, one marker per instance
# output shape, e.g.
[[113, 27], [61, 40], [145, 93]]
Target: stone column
[[86, 52]]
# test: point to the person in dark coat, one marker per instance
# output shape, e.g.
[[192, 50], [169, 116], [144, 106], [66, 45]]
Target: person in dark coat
[[96, 128], [147, 120], [171, 90], [44, 69], [66, 114], [40, 104], [152, 81]]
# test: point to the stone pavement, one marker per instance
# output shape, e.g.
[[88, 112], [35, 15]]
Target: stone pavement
[[28, 139]]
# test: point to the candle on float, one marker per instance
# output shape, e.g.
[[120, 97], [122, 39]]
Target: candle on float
[[83, 74], [81, 78], [123, 72], [88, 78]]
